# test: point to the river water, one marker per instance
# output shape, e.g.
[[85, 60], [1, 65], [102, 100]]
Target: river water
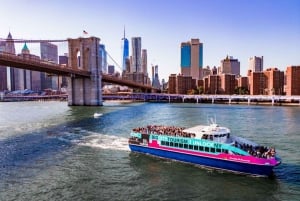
[[50, 151]]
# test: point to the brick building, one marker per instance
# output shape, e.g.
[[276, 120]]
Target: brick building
[[293, 80]]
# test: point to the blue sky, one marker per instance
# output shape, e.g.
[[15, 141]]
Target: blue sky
[[239, 28]]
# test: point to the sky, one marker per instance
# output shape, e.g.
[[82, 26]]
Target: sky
[[238, 28]]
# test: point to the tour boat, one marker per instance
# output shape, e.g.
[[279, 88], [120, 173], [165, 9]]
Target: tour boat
[[209, 146]]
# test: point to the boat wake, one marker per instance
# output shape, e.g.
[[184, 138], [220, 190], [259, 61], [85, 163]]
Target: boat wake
[[105, 142]]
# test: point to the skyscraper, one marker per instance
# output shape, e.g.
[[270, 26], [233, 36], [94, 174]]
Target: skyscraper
[[103, 57], [49, 52], [3, 70], [192, 58], [155, 78], [144, 62], [229, 65], [29, 79], [125, 51], [136, 55], [256, 64], [11, 72]]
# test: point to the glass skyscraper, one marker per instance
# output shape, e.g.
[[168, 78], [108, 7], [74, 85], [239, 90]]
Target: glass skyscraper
[[125, 51], [103, 57], [136, 55], [191, 61]]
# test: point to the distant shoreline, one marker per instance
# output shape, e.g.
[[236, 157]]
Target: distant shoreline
[[202, 101]]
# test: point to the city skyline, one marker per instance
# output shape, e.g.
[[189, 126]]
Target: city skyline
[[241, 29]]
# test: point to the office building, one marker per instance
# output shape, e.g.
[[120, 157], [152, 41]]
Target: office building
[[192, 59], [125, 52], [144, 62], [3, 70], [229, 65], [293, 80], [49, 53], [111, 69], [63, 60], [103, 58], [155, 77], [256, 64], [136, 65], [29, 79]]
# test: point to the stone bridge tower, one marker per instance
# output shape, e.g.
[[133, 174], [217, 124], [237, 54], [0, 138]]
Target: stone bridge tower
[[83, 55]]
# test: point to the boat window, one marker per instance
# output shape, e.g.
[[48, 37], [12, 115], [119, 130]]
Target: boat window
[[171, 144], [185, 146], [190, 146], [167, 143], [196, 147], [201, 148], [225, 151], [176, 144], [180, 145], [206, 149], [213, 150], [218, 150], [163, 143]]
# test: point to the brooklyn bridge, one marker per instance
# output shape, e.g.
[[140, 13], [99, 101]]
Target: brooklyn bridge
[[84, 75]]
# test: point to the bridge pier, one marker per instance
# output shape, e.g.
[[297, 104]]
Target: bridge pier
[[83, 55]]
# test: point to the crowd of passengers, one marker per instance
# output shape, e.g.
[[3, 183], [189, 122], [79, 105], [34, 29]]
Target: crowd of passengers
[[257, 151], [164, 130]]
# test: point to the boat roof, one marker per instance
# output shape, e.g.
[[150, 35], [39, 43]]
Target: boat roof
[[212, 129]]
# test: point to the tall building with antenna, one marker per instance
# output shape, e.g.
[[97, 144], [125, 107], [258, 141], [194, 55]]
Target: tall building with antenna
[[125, 51]]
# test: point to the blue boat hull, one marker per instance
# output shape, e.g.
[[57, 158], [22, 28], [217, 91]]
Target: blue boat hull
[[241, 168]]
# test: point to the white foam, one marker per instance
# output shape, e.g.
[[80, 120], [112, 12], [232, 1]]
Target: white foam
[[105, 142]]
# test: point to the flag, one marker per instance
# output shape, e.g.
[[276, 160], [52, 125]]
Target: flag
[[84, 32]]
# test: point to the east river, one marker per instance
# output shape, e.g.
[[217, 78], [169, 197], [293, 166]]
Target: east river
[[50, 151]]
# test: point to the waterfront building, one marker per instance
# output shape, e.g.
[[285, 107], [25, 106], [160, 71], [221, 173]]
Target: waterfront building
[[243, 82], [227, 84], [181, 84], [256, 64], [293, 80], [49, 52], [136, 65], [274, 81], [256, 83], [172, 84], [212, 84], [268, 82], [103, 58], [184, 84], [230, 65], [192, 59]]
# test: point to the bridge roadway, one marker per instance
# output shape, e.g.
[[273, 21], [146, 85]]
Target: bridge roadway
[[23, 62], [199, 98]]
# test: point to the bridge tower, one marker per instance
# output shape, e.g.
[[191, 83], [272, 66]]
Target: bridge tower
[[83, 55]]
